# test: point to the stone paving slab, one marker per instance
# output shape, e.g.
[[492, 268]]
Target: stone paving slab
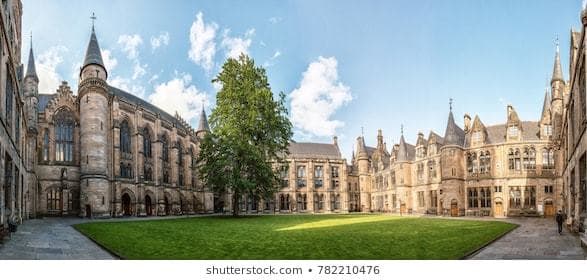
[[51, 239], [534, 239]]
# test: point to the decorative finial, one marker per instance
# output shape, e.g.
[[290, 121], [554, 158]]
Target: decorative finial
[[556, 42], [93, 17], [450, 104], [402, 129], [362, 132]]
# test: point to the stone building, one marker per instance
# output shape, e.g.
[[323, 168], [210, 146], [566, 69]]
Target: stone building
[[500, 170], [570, 132], [104, 152], [17, 129]]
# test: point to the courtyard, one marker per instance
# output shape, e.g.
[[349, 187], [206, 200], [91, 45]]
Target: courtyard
[[295, 237]]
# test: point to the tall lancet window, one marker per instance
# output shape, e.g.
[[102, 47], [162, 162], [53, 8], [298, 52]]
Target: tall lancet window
[[125, 150], [45, 155], [147, 143], [64, 124]]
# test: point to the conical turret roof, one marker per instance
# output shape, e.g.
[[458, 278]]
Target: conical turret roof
[[557, 71], [93, 54], [203, 125], [402, 152], [31, 71], [453, 134]]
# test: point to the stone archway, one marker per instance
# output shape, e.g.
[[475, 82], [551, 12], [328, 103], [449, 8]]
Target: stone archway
[[148, 205], [126, 205], [454, 208], [167, 205]]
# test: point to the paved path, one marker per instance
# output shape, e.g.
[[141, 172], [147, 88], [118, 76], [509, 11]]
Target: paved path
[[51, 239], [535, 238]]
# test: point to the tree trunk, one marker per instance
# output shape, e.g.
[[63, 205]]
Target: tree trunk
[[235, 206]]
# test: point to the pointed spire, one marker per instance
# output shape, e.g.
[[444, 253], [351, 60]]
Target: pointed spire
[[31, 70], [93, 54], [557, 71], [203, 125], [402, 152], [546, 105], [361, 148], [453, 134]]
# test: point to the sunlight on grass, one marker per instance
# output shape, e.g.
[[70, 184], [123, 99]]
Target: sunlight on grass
[[339, 222]]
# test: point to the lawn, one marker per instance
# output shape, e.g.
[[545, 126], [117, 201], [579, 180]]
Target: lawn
[[295, 237]]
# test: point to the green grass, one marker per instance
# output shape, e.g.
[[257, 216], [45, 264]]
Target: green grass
[[295, 237]]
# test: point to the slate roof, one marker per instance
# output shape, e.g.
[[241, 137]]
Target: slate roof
[[497, 133], [314, 150], [93, 54], [31, 71], [453, 135]]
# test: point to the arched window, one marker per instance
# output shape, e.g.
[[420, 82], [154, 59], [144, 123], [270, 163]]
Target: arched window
[[164, 148], [148, 173], [64, 125], [547, 158], [529, 158], [511, 164], [125, 146], [517, 160], [180, 164], [147, 152], [46, 145], [484, 162], [431, 169], [472, 163]]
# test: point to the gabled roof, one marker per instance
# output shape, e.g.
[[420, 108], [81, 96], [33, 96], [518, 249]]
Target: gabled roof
[[433, 136], [496, 134], [314, 150]]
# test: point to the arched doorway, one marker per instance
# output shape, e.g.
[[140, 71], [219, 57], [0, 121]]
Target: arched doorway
[[167, 206], [148, 205], [126, 207], [88, 211], [454, 208], [498, 208]]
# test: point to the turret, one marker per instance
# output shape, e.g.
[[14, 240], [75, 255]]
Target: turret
[[557, 84], [31, 92], [94, 124], [203, 126]]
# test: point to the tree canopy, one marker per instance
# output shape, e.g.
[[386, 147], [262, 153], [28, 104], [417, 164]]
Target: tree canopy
[[250, 132]]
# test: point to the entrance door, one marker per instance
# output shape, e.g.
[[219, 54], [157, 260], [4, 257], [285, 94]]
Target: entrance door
[[167, 207], [498, 209], [148, 206], [402, 208], [126, 205], [548, 209], [454, 208], [88, 211]]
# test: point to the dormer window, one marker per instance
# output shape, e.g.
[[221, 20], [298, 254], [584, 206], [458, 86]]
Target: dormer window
[[547, 130], [513, 131], [477, 137]]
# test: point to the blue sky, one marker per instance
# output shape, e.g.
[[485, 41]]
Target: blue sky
[[343, 64]]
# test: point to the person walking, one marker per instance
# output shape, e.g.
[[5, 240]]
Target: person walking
[[559, 221]]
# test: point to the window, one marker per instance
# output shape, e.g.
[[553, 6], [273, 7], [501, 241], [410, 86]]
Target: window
[[547, 158], [180, 164], [318, 201], [284, 175], [433, 199], [530, 197], [125, 146], [420, 171], [547, 130], [420, 199], [301, 176], [477, 137], [513, 131], [484, 162], [548, 189], [432, 169], [515, 198], [337, 202], [529, 158], [64, 124], [166, 176], [497, 189], [46, 146], [392, 176], [164, 149], [302, 202], [485, 197], [147, 151], [472, 163], [472, 198], [318, 174], [148, 173], [334, 170], [9, 96], [125, 170], [53, 201]]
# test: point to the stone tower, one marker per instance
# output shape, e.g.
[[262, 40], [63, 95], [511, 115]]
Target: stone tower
[[93, 101], [364, 177], [451, 195], [31, 94], [557, 84]]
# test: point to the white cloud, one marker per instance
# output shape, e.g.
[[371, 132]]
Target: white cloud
[[234, 46], [139, 70], [153, 78], [128, 86], [47, 63], [272, 59], [275, 20], [179, 95], [276, 55], [109, 61], [202, 48], [130, 44], [318, 97], [161, 40]]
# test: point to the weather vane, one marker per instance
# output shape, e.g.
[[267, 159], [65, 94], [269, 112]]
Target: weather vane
[[93, 17], [402, 129], [450, 103]]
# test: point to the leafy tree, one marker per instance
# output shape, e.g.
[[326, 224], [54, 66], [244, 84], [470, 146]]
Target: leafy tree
[[250, 132]]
